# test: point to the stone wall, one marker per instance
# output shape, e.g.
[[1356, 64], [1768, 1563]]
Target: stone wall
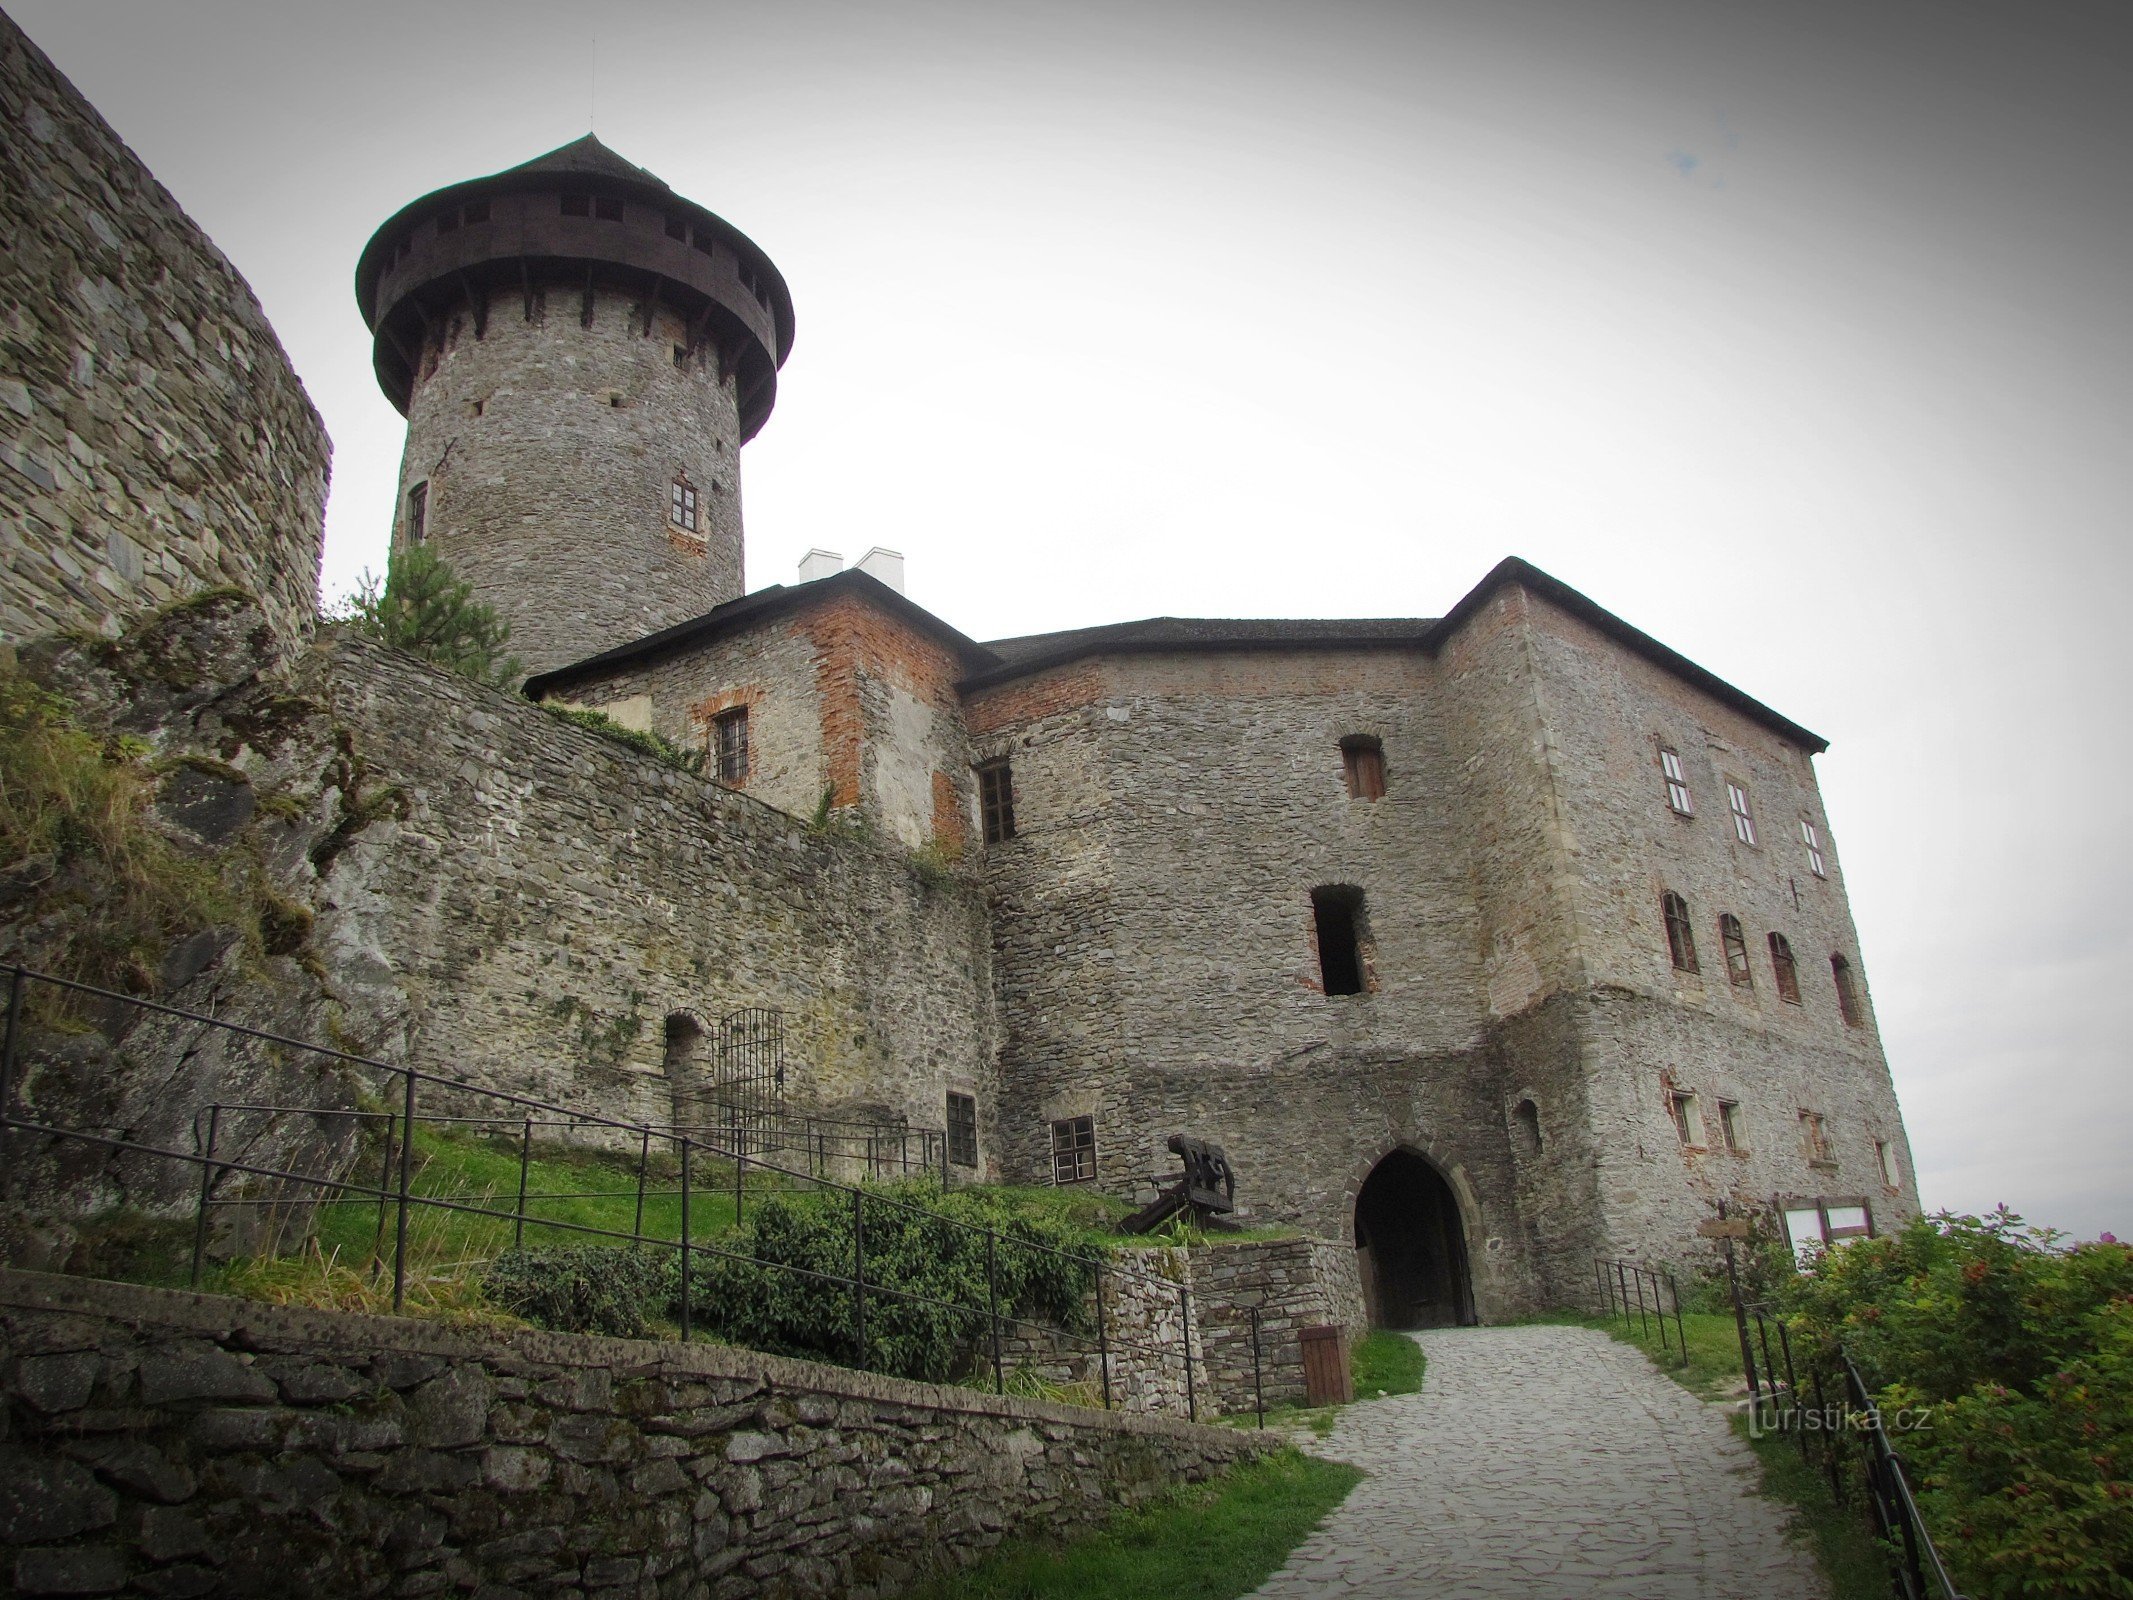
[[154, 440], [1146, 1330], [546, 898], [1294, 1284], [549, 444], [192, 1445]]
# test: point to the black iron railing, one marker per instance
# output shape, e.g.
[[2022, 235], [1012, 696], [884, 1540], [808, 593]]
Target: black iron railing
[[407, 1100], [1643, 1295], [1829, 1410]]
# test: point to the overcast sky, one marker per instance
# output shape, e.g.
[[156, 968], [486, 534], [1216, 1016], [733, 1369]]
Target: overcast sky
[[1797, 334]]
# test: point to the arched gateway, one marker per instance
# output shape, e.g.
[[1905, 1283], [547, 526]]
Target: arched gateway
[[1411, 1247]]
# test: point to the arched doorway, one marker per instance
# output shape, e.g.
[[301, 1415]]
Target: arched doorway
[[1411, 1247]]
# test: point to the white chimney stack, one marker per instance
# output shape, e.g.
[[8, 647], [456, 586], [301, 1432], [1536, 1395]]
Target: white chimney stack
[[820, 564], [885, 565]]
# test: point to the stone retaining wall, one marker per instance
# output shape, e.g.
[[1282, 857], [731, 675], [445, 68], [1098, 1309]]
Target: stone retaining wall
[[1295, 1284], [1146, 1336], [190, 1445]]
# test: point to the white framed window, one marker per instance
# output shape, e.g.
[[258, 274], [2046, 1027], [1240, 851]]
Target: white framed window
[[681, 506], [1688, 1118], [1074, 1150], [1729, 1125], [1815, 1225], [1677, 782], [1743, 818], [1813, 841]]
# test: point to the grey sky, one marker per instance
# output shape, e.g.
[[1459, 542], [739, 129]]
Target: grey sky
[[1798, 334]]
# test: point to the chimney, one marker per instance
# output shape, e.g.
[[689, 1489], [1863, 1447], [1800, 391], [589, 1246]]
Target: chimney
[[819, 564], [886, 565]]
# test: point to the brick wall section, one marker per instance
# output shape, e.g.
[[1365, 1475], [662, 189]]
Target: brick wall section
[[1294, 1284], [154, 440], [550, 897], [550, 449], [192, 1445]]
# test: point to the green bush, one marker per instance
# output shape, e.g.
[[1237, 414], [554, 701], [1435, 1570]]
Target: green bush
[[785, 1288], [422, 607], [580, 1289], [656, 745], [2014, 1354]]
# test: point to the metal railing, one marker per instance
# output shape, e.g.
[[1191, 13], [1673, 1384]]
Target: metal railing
[[1631, 1290], [225, 1134], [1781, 1401]]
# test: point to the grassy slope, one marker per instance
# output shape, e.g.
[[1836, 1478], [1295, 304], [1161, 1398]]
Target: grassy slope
[[1207, 1542]]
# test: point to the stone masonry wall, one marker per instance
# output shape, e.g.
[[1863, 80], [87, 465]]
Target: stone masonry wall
[[546, 898], [1146, 1333], [1294, 1284], [550, 447], [154, 440], [193, 1445]]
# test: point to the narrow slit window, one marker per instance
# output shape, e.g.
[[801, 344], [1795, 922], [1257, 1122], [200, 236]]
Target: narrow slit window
[[1735, 943], [1529, 1125], [1848, 1005], [962, 1129], [1363, 764], [1885, 1158], [418, 513], [729, 733], [1680, 934], [1337, 918], [1729, 1124], [1813, 841], [996, 801], [1814, 1139], [681, 505], [1743, 818], [1074, 1150], [1677, 783], [1688, 1118], [1782, 968]]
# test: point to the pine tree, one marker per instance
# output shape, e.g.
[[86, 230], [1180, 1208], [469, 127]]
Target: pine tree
[[422, 608]]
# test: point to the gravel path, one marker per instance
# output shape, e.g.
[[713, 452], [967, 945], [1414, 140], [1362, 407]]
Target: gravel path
[[1546, 1461]]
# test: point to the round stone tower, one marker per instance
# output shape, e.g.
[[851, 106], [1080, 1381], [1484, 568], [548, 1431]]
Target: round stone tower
[[580, 354]]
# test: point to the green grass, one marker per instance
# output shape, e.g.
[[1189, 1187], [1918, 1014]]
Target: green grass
[[1850, 1556], [1386, 1363], [1205, 1542]]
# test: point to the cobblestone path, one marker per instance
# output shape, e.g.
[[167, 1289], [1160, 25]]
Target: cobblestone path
[[1545, 1462]]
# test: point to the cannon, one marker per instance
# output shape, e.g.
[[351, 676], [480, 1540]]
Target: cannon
[[1207, 1189]]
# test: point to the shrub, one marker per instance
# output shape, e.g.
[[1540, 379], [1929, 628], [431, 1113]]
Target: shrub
[[785, 1287], [656, 745], [421, 607], [579, 1289], [2017, 1353]]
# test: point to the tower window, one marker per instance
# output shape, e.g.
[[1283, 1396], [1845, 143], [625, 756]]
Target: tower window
[[448, 220], [1743, 819], [1814, 1140], [681, 356], [1781, 966], [1736, 948], [1813, 841], [1729, 1125], [1885, 1157], [607, 208], [1363, 763], [1528, 1117], [996, 800], [729, 736], [704, 242], [1848, 1005], [1074, 1150], [577, 205], [1688, 1118], [962, 1129], [1337, 918], [677, 228], [681, 504], [1680, 936], [1677, 782], [476, 211], [418, 512]]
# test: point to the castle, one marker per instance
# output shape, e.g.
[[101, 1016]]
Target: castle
[[1484, 944]]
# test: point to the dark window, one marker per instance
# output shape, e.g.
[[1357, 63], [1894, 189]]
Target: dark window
[[577, 205], [996, 800], [1528, 1117], [729, 730], [681, 505], [1847, 992], [448, 221], [704, 242], [685, 1037], [1677, 782], [1337, 917], [477, 211], [418, 513], [1688, 1119], [1363, 761], [1736, 947], [1680, 936], [607, 208], [1074, 1150], [681, 355], [677, 228], [1729, 1124], [963, 1129], [1788, 975]]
